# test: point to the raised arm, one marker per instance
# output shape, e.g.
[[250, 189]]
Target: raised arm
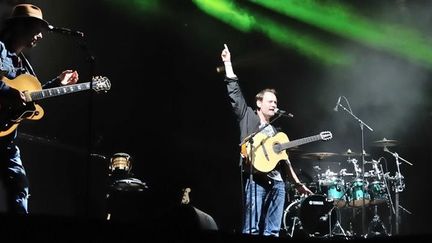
[[237, 100]]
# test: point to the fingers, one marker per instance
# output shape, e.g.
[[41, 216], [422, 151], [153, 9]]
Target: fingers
[[69, 77], [226, 47]]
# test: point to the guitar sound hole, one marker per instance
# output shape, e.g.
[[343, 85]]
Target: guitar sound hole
[[277, 147]]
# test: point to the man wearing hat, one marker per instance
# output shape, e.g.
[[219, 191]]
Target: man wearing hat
[[22, 30]]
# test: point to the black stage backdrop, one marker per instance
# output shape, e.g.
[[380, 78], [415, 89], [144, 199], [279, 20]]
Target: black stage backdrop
[[168, 108]]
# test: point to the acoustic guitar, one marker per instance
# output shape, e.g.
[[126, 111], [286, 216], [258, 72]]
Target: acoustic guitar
[[265, 152]]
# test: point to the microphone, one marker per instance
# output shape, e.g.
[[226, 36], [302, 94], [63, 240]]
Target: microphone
[[337, 104], [283, 113], [220, 69], [98, 156], [65, 31]]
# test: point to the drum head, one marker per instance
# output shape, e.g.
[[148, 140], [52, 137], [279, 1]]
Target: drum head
[[314, 215]]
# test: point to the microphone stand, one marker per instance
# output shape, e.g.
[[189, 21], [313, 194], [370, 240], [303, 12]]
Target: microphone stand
[[398, 187], [249, 139], [91, 59], [362, 125]]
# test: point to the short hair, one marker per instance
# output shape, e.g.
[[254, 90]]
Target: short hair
[[260, 95]]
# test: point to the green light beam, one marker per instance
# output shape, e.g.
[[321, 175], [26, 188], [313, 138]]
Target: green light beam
[[228, 12], [340, 20]]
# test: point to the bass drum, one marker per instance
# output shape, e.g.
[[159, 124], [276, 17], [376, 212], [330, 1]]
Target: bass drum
[[309, 216], [291, 220], [314, 215]]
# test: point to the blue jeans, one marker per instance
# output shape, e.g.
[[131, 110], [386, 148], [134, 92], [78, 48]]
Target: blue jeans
[[265, 210], [14, 178]]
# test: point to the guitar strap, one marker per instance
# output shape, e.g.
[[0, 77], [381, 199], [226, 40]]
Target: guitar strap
[[26, 64]]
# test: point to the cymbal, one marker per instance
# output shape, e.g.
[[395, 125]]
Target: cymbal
[[385, 143], [318, 155], [349, 153], [294, 149]]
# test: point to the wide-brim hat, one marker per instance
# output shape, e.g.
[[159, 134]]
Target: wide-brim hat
[[27, 12]]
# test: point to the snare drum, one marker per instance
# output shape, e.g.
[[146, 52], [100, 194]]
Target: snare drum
[[120, 162], [358, 195], [377, 192]]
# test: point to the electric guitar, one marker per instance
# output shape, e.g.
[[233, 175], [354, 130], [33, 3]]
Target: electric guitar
[[266, 152], [12, 112]]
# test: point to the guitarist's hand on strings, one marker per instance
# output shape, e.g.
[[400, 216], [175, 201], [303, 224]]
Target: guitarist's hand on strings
[[68, 77]]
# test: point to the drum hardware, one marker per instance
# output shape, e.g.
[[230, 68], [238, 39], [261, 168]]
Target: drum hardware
[[377, 188], [380, 193], [291, 213], [399, 184], [349, 154], [343, 172], [376, 226], [337, 226], [357, 169]]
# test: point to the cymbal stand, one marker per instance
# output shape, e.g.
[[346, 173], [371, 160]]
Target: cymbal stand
[[389, 199], [376, 226], [337, 224], [362, 125], [399, 186], [357, 170]]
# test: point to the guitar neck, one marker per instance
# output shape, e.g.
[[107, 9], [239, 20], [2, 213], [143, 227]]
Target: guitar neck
[[52, 92], [300, 141]]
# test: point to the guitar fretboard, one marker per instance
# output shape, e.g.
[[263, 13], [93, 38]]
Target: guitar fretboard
[[299, 142], [52, 92]]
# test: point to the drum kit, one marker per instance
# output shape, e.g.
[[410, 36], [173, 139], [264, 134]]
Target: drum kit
[[319, 215]]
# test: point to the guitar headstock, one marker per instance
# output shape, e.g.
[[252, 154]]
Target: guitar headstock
[[326, 135], [100, 83], [185, 197]]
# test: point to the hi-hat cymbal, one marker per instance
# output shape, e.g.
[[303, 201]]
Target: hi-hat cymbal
[[385, 143], [350, 153], [318, 155]]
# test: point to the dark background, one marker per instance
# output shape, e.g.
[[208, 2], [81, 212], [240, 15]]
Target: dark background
[[168, 107]]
